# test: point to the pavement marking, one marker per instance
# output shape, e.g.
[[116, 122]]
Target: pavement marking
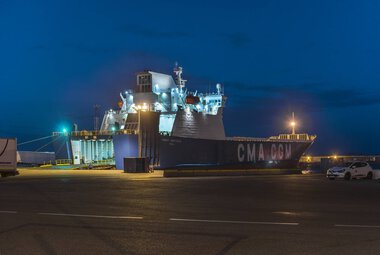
[[8, 212], [93, 216], [356, 226], [238, 222]]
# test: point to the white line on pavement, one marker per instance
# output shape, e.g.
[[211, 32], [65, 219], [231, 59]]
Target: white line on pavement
[[356, 226], [8, 212], [93, 216], [238, 222]]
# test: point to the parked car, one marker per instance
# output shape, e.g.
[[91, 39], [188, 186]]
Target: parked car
[[351, 170]]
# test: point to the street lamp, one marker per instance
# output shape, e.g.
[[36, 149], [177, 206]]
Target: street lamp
[[293, 125]]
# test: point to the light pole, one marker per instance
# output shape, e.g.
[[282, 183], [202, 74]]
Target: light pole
[[293, 124]]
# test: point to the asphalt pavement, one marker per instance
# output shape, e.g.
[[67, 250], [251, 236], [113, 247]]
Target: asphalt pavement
[[109, 212]]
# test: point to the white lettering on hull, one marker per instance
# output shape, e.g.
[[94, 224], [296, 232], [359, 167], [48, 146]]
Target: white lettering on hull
[[247, 153], [280, 152], [261, 152], [288, 151], [251, 153], [241, 155], [273, 151]]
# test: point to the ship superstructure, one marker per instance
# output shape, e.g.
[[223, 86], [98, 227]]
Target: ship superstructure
[[157, 92]]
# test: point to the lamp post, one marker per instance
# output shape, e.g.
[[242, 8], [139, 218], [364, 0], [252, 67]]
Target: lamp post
[[293, 124]]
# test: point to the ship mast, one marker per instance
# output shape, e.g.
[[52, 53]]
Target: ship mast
[[178, 79], [96, 117]]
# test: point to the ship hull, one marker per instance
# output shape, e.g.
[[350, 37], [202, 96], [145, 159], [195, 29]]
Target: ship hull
[[191, 153]]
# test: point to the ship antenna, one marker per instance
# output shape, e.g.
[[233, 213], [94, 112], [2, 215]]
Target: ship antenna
[[96, 117], [178, 73]]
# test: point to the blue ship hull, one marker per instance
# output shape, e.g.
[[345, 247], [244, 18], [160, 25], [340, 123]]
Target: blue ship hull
[[191, 153]]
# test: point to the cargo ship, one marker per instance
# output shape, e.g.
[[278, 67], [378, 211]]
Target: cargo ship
[[175, 128]]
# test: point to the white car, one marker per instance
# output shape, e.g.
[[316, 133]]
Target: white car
[[351, 170]]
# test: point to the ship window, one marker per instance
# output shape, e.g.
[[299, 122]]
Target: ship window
[[145, 80], [142, 80]]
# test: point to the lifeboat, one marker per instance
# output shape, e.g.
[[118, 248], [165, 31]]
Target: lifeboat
[[190, 99]]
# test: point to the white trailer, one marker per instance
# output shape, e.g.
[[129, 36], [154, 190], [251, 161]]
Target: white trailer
[[8, 157]]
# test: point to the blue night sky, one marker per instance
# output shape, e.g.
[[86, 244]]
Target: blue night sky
[[319, 59]]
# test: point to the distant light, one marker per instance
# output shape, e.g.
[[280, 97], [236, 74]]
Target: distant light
[[64, 130], [113, 129], [292, 123], [335, 156]]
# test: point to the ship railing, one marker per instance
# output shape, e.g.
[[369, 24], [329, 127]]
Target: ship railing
[[92, 133], [296, 137], [282, 137], [249, 139], [96, 133]]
